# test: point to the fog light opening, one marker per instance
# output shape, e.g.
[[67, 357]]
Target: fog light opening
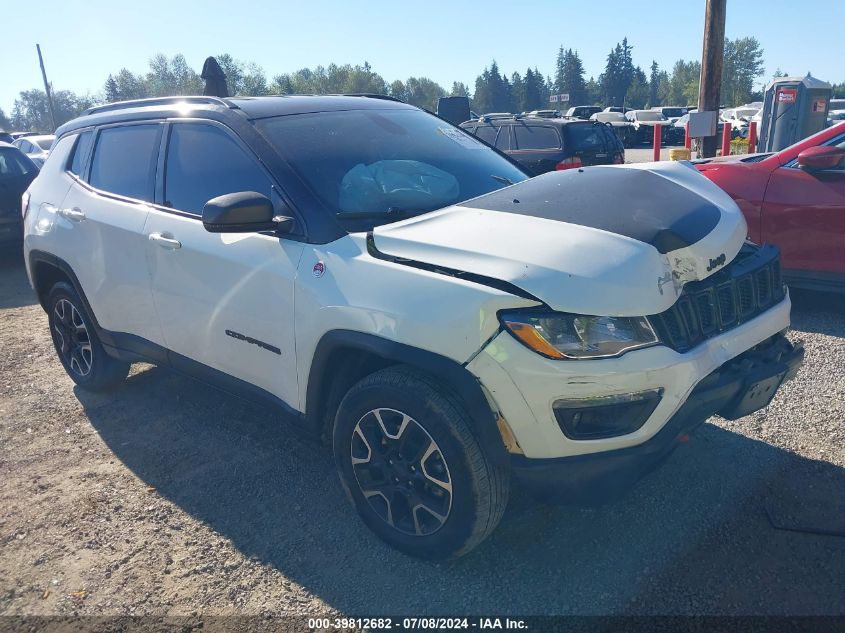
[[607, 416]]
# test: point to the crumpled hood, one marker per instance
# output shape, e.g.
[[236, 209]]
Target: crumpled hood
[[608, 240]]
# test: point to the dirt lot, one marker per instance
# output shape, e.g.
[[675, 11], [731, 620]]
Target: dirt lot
[[169, 498]]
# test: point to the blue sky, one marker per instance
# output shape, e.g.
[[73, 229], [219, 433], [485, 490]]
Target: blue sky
[[84, 41]]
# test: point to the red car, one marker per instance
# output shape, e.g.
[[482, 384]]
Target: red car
[[794, 198]]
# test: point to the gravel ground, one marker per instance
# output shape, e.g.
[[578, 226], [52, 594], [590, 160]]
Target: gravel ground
[[169, 498]]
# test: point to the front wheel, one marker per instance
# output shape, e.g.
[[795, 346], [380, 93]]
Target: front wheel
[[76, 342], [413, 468]]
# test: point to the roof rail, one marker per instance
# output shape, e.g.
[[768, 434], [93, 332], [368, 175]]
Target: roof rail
[[154, 101], [371, 95], [490, 116]]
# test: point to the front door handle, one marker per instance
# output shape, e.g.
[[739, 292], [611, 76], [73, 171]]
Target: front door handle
[[165, 242], [74, 215]]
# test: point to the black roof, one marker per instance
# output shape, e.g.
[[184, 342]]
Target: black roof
[[249, 108]]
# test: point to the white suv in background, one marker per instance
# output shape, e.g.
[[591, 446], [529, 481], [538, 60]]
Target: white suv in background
[[36, 147], [405, 292]]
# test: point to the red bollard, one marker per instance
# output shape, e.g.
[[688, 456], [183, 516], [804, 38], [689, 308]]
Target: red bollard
[[657, 134], [726, 139], [687, 139], [752, 137]]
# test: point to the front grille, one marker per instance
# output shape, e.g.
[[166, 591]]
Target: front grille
[[749, 285]]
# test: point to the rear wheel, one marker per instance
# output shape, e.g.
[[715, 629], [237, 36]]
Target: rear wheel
[[76, 342], [413, 468]]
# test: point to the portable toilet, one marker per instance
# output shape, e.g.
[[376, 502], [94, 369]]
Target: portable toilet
[[793, 109]]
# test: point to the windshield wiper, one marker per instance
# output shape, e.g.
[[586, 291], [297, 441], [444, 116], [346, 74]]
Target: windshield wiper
[[502, 179], [392, 212]]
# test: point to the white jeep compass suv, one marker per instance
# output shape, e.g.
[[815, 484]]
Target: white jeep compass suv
[[396, 287]]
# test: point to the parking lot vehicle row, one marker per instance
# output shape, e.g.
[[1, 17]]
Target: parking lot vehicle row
[[542, 144]]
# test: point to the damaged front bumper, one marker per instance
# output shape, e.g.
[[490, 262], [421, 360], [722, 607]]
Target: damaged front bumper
[[735, 389]]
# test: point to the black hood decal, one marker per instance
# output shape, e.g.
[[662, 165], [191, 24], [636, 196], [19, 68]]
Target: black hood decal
[[636, 203]]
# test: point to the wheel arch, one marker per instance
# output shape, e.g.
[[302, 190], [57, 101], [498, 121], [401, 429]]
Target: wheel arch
[[343, 357], [46, 271]]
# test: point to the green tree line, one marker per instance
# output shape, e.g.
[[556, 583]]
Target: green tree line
[[623, 82]]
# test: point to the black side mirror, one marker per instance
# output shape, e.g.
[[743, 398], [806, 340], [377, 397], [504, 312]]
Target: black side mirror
[[243, 212]]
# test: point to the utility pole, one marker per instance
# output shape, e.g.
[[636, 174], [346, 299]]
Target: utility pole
[[712, 56], [47, 88]]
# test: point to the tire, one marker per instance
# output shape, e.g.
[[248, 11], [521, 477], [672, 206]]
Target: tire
[[77, 344], [444, 495]]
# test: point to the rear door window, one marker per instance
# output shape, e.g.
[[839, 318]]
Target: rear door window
[[204, 162], [503, 141], [536, 137], [125, 159]]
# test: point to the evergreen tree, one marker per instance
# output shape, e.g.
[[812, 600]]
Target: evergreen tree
[[560, 71], [111, 90], [663, 88], [573, 78], [482, 97], [654, 85], [459, 89], [130, 86], [492, 91], [593, 91], [518, 101], [610, 79], [505, 97], [638, 90], [533, 90], [628, 70]]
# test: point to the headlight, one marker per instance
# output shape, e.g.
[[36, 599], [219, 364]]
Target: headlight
[[561, 336]]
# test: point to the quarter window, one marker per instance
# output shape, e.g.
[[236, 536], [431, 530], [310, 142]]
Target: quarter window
[[80, 152], [584, 137], [536, 137], [611, 140], [204, 162], [124, 161]]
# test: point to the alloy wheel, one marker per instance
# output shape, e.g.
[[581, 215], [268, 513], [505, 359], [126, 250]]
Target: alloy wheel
[[401, 472], [72, 340]]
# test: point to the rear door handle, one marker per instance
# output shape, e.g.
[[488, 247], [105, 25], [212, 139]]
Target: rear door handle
[[165, 242], [74, 215]]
